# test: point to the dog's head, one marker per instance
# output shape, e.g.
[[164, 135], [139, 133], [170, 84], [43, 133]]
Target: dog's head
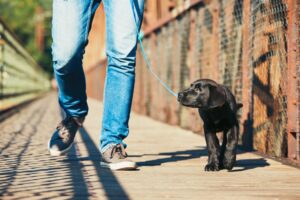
[[203, 94]]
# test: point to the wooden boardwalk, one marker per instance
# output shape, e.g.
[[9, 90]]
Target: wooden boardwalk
[[170, 160]]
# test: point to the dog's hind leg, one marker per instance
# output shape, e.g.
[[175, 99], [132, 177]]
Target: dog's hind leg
[[229, 157], [213, 147]]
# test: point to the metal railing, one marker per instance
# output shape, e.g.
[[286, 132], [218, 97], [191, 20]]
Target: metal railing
[[21, 78]]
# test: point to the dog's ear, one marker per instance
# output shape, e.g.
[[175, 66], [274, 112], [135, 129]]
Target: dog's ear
[[217, 96]]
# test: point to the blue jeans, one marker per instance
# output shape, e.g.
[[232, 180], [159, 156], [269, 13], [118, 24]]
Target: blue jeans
[[71, 23]]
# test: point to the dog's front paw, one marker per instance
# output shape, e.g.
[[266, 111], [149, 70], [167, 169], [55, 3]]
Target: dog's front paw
[[228, 162], [211, 167]]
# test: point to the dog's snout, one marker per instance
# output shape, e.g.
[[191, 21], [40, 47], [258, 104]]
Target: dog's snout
[[180, 96]]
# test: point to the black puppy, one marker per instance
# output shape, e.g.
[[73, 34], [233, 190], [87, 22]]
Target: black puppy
[[217, 107]]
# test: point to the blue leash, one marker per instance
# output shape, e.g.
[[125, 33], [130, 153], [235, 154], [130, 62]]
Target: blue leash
[[140, 37]]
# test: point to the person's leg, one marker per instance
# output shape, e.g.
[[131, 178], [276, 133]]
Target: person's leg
[[70, 26], [121, 42]]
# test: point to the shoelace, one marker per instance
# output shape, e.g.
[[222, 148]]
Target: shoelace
[[64, 127], [119, 149]]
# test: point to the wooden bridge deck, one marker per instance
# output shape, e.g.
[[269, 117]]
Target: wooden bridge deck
[[170, 160]]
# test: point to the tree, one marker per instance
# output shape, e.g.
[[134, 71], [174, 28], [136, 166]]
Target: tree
[[22, 17]]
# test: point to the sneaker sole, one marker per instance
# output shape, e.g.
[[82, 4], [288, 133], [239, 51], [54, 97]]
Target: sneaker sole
[[119, 166], [59, 153]]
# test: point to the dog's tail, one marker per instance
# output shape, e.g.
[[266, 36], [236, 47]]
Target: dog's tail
[[239, 105]]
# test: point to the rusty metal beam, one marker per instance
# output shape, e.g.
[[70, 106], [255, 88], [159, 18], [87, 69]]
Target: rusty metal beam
[[215, 41], [246, 117], [292, 85], [173, 15]]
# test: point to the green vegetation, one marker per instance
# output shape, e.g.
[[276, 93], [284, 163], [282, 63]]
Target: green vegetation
[[22, 18]]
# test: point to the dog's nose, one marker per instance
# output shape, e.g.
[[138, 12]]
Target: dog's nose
[[180, 96]]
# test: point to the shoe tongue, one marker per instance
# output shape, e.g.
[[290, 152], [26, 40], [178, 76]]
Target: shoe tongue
[[120, 149]]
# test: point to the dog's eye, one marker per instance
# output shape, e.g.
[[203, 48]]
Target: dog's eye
[[197, 89]]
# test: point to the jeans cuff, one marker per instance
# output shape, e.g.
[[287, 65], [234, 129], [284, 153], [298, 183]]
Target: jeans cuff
[[103, 149]]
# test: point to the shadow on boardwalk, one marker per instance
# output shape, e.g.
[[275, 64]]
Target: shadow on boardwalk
[[27, 171], [110, 184], [243, 164]]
